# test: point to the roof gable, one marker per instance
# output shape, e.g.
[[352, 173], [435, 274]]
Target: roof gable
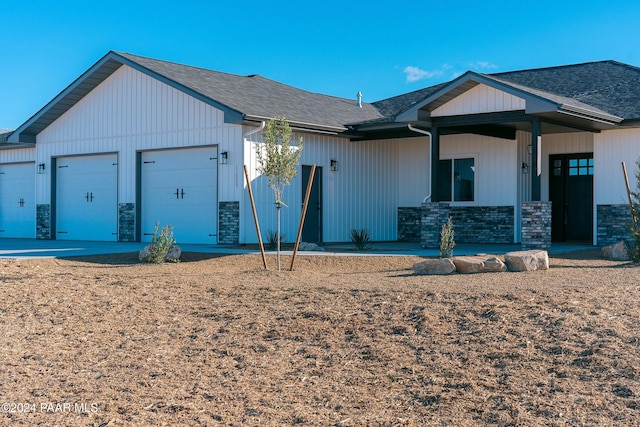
[[480, 99], [239, 97], [537, 101]]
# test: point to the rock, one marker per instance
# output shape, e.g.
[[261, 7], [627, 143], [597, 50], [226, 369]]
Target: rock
[[478, 264], [172, 256], [306, 246], [468, 264], [616, 252], [494, 265], [436, 266], [527, 260], [145, 254]]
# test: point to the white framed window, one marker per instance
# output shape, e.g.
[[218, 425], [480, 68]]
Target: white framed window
[[457, 179]]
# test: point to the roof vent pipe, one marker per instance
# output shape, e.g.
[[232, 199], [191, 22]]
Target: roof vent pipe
[[359, 103]]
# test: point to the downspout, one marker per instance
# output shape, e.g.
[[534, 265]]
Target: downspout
[[251, 132], [423, 132]]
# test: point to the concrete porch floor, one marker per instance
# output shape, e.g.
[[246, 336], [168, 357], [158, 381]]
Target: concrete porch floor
[[33, 248]]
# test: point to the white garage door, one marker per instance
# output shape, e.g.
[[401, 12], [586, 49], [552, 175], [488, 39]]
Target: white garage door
[[87, 197], [17, 200], [179, 188]]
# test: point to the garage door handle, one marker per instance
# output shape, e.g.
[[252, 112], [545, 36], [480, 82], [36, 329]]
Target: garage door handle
[[62, 232], [180, 193]]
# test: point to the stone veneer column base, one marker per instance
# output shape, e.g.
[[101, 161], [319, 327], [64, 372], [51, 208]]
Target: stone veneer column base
[[472, 224], [126, 222], [613, 224], [409, 220], [43, 222], [229, 223], [433, 216], [536, 225]]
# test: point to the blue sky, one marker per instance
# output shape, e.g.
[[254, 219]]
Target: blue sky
[[381, 48]]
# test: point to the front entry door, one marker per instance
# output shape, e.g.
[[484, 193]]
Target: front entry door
[[312, 227], [571, 196]]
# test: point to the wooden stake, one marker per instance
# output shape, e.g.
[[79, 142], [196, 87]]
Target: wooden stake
[[303, 215], [626, 180], [255, 217]]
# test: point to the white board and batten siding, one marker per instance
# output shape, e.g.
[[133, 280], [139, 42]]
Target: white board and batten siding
[[496, 166], [610, 149], [131, 113], [363, 193], [480, 99]]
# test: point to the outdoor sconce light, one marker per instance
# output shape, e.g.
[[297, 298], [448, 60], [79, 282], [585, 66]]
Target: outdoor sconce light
[[334, 165], [525, 168], [40, 168], [224, 157]]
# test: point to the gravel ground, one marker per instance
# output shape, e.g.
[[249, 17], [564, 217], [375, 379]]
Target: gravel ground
[[344, 341]]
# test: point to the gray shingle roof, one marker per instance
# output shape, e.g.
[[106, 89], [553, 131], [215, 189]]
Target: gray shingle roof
[[257, 96], [606, 86], [609, 86]]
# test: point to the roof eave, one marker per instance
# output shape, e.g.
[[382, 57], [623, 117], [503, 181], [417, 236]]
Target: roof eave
[[590, 114], [304, 126]]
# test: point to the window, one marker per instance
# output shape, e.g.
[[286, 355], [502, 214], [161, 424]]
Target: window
[[456, 177], [580, 167]]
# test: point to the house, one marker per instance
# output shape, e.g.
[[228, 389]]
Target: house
[[528, 156]]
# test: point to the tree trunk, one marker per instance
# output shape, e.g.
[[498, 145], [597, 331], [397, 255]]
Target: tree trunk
[[278, 236]]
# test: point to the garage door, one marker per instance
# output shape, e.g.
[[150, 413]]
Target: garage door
[[87, 198], [17, 200], [179, 188]]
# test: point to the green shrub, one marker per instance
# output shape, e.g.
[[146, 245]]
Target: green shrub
[[161, 243], [447, 239], [360, 238], [272, 239]]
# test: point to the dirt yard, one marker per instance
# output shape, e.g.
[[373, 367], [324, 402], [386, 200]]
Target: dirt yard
[[341, 341]]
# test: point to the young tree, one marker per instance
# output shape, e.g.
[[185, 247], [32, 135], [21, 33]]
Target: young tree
[[278, 161], [634, 228]]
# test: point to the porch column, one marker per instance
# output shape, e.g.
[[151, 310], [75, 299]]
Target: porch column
[[435, 163], [536, 133]]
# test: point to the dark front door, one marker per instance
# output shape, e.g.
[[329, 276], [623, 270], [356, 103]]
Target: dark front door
[[312, 227], [571, 195]]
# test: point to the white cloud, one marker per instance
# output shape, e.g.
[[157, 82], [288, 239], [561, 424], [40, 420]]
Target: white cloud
[[482, 65], [414, 74]]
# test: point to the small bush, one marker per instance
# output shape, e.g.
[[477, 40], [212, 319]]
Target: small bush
[[161, 243], [272, 239], [360, 238], [447, 239]]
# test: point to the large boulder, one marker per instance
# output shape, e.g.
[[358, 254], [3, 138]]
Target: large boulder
[[478, 264], [436, 266], [494, 265], [616, 252], [307, 246], [468, 264], [527, 260]]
